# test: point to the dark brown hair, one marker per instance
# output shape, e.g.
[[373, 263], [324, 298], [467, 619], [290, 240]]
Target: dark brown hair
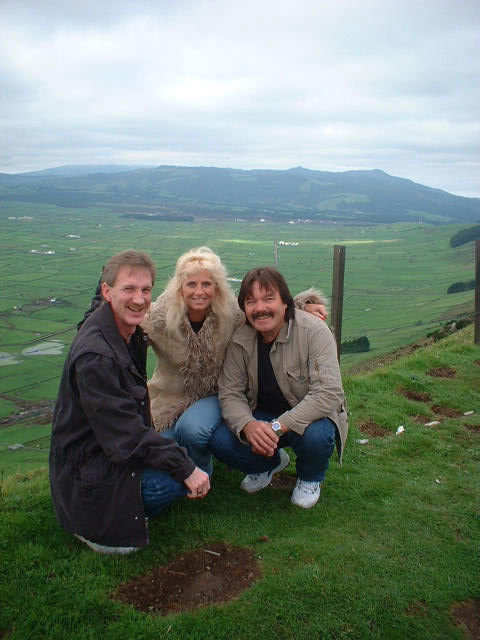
[[267, 278]]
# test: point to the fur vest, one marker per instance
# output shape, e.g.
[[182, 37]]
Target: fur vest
[[187, 366]]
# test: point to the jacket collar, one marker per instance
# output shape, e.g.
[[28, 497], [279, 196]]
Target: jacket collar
[[109, 330]]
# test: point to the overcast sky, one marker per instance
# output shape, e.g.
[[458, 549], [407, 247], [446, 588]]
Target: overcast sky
[[330, 85]]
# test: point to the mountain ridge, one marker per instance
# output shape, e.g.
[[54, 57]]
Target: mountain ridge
[[351, 197]]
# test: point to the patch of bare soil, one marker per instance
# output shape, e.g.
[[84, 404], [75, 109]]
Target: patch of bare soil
[[466, 616], [195, 579], [442, 372], [415, 395], [283, 481], [477, 362], [372, 429], [447, 412], [472, 427]]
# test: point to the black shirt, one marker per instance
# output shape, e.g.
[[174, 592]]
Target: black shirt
[[270, 397], [196, 326]]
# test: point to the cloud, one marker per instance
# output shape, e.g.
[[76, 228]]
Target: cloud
[[334, 86]]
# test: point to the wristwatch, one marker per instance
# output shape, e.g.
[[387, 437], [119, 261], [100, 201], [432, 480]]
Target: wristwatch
[[277, 428]]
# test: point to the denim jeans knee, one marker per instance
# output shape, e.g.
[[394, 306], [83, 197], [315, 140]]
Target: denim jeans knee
[[313, 449], [194, 430], [159, 490]]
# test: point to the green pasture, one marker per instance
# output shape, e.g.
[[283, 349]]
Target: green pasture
[[396, 277], [388, 552]]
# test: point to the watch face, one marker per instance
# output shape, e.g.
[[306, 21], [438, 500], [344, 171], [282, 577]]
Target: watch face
[[276, 426]]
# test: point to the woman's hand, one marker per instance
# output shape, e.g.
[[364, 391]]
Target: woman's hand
[[318, 310]]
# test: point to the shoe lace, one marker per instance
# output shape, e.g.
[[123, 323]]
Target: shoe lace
[[308, 487]]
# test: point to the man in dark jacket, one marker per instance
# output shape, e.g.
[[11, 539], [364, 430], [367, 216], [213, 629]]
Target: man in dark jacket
[[109, 469]]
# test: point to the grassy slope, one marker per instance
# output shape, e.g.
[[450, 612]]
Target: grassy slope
[[391, 545]]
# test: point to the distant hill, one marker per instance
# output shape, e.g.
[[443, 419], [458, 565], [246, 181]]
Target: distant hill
[[81, 170], [351, 197]]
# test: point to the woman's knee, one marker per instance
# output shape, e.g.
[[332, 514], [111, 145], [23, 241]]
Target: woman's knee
[[200, 420]]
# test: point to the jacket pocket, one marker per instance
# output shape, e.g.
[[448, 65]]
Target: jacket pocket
[[298, 381]]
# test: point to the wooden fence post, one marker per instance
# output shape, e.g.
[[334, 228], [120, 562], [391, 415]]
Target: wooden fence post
[[337, 294], [476, 326]]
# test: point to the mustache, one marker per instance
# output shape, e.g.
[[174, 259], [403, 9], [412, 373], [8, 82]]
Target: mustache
[[255, 316]]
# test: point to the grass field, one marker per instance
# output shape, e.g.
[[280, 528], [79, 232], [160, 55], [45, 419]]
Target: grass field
[[396, 278], [389, 552]]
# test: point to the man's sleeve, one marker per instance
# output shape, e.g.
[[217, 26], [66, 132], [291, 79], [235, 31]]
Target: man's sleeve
[[119, 429], [232, 388], [325, 395]]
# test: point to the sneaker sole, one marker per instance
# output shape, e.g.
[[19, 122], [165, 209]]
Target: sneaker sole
[[304, 506]]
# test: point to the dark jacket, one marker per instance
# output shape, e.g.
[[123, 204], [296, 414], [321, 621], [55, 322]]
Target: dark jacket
[[102, 436]]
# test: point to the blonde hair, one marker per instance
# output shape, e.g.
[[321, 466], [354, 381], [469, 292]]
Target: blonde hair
[[224, 304]]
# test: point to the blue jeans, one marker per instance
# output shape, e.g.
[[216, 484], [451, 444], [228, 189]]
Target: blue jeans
[[159, 490], [312, 449], [194, 429]]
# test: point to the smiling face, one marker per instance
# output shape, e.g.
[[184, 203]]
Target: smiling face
[[265, 311], [129, 297], [198, 291]]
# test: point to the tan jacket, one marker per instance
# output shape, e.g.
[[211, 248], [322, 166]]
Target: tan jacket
[[187, 366], [304, 360]]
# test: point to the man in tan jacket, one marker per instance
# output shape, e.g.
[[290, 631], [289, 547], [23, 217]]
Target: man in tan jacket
[[280, 386]]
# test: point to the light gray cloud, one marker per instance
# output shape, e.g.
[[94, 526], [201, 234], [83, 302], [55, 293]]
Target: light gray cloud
[[331, 86]]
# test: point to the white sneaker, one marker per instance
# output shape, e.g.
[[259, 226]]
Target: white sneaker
[[100, 548], [306, 494], [256, 481]]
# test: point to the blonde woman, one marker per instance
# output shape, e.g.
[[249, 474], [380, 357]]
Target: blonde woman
[[189, 326]]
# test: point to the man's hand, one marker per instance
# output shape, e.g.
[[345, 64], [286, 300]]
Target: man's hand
[[198, 484], [318, 310], [261, 437]]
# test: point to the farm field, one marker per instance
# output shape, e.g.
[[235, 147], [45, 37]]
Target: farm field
[[396, 278]]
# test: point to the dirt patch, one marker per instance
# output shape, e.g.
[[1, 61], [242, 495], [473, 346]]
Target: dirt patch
[[442, 372], [447, 412], [283, 481], [415, 395], [475, 428], [466, 616], [372, 429], [477, 362], [195, 579]]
